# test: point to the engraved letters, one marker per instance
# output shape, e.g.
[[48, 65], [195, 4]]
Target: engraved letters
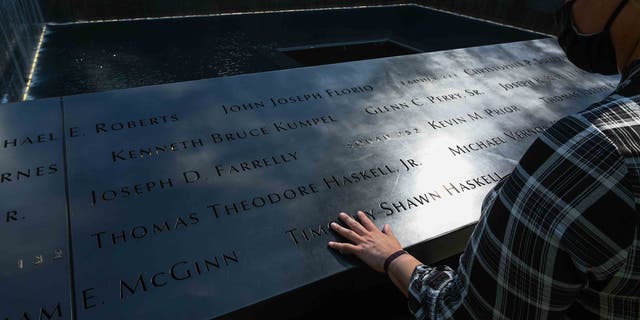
[[179, 271], [129, 191], [251, 165], [103, 238], [28, 173], [30, 140], [102, 128]]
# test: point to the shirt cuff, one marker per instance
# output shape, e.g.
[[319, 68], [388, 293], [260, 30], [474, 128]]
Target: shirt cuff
[[415, 290], [425, 287]]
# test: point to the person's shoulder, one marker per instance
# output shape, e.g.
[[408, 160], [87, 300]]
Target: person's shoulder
[[602, 120], [572, 135], [613, 112], [577, 145], [617, 118]]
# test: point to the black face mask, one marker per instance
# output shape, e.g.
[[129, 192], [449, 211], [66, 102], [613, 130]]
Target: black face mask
[[592, 53]]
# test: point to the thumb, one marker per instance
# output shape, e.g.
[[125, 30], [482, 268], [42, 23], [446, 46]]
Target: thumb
[[387, 229]]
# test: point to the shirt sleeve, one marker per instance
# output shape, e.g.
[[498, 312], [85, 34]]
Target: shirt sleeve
[[554, 224]]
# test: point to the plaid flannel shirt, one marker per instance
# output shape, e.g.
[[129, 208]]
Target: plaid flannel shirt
[[559, 238]]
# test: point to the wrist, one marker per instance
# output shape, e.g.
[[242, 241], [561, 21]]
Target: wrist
[[401, 270], [392, 258], [402, 262]]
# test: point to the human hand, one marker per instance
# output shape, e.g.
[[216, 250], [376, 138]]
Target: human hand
[[368, 243]]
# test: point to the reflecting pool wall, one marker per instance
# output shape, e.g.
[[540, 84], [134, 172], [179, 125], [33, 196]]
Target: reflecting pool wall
[[21, 26], [91, 57], [532, 14]]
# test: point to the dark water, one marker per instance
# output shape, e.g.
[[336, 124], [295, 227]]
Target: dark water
[[91, 57]]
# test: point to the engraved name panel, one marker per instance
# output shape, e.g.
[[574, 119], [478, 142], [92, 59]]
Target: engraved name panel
[[34, 264]]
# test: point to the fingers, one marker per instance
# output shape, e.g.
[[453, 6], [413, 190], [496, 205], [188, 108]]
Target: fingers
[[366, 222], [347, 233], [352, 223], [344, 248]]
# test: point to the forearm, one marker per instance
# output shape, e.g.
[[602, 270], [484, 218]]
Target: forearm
[[400, 271]]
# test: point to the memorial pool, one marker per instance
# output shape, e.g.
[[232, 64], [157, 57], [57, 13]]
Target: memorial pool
[[89, 57]]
